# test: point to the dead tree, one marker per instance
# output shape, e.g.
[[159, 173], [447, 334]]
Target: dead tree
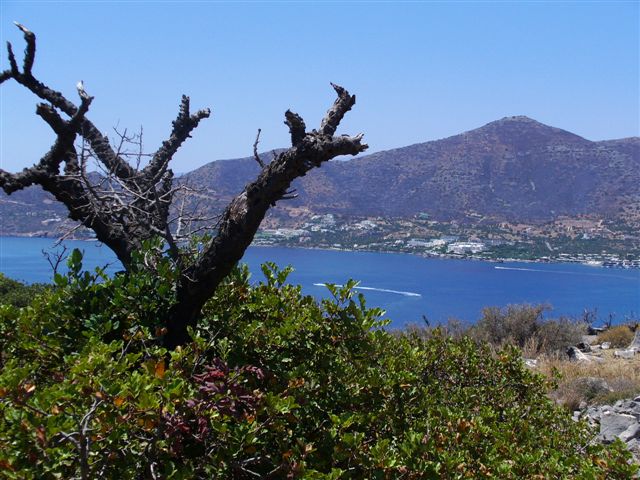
[[131, 204]]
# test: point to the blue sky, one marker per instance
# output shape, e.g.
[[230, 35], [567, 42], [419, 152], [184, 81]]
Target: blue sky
[[420, 70]]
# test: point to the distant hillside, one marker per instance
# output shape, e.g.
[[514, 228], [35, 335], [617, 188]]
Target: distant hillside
[[32, 212], [514, 169]]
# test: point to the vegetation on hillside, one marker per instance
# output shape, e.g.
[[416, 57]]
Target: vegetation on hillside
[[273, 384], [615, 379], [16, 293], [179, 368], [544, 343], [620, 336]]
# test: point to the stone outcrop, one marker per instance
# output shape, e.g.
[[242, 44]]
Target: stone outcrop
[[620, 420], [631, 350], [576, 355], [635, 344], [627, 354]]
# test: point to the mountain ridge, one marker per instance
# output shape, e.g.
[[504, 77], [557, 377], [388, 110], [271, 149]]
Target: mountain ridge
[[512, 169]]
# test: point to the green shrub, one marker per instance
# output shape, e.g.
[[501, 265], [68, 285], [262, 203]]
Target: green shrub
[[16, 293], [274, 385]]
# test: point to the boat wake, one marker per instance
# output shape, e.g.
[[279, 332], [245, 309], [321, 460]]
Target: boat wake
[[527, 269], [562, 272], [385, 290]]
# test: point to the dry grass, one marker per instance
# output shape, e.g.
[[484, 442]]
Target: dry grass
[[525, 327], [622, 376], [619, 337]]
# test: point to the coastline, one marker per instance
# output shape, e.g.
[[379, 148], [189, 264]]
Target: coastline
[[443, 256]]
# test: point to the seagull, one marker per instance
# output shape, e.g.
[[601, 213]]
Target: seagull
[[81, 91]]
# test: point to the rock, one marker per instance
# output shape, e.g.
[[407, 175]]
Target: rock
[[531, 362], [634, 446], [635, 344], [605, 345], [594, 414], [630, 409], [576, 355], [632, 432], [613, 424], [620, 420], [584, 347], [627, 354]]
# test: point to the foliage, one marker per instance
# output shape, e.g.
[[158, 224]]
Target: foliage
[[16, 293], [273, 385], [619, 337], [524, 327]]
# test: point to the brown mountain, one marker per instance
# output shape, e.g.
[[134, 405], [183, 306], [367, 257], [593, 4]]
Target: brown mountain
[[515, 169]]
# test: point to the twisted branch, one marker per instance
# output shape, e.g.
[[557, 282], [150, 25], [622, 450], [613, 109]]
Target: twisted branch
[[255, 150], [335, 114], [127, 205], [296, 127], [183, 125]]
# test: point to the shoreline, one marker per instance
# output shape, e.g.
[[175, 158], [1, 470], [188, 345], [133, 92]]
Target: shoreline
[[443, 256], [450, 256]]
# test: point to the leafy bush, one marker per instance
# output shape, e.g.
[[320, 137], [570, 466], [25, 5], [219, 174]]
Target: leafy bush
[[16, 293], [619, 337], [274, 385], [524, 326]]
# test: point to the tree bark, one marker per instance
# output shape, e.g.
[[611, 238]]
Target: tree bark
[[136, 209]]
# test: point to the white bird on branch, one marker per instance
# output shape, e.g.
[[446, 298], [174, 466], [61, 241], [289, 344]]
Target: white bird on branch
[[81, 91]]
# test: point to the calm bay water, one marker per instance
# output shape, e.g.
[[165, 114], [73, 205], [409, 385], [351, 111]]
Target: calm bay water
[[406, 286]]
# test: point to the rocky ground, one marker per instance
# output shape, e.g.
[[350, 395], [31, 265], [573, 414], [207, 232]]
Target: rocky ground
[[620, 420]]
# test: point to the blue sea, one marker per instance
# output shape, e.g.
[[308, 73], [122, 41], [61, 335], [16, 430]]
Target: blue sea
[[408, 287]]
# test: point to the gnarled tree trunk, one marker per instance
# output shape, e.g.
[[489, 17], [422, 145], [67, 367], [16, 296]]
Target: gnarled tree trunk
[[130, 205]]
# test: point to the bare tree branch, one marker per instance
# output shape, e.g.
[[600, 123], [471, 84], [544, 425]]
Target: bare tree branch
[[296, 126], [5, 75], [12, 60], [55, 258], [340, 107], [183, 125], [125, 205], [50, 163], [30, 49], [99, 142], [255, 150], [245, 212]]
